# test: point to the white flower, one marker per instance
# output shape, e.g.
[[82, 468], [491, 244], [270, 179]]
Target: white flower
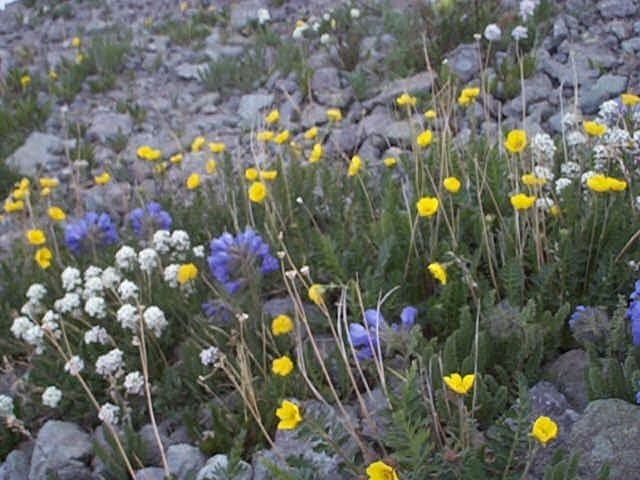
[[36, 292], [198, 251], [70, 278], [74, 366], [92, 287], [51, 397], [68, 303], [326, 17], [609, 112], [519, 33], [128, 290], [31, 309], [126, 258], [20, 326], [49, 323], [133, 383], [492, 32], [325, 39], [355, 13], [576, 138], [6, 406], [543, 146], [127, 317], [544, 203], [155, 320], [541, 171], [96, 307], [299, 31], [96, 334], [180, 240], [570, 169], [527, 7], [110, 277], [162, 241], [109, 413], [209, 356], [586, 176], [171, 275], [148, 259], [33, 336], [263, 16], [617, 136], [109, 363], [91, 272]]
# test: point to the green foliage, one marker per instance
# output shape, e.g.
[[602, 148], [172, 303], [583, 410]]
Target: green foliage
[[114, 468], [244, 73]]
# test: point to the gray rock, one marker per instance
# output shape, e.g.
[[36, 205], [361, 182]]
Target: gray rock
[[617, 8], [189, 71], [150, 445], [62, 449], [15, 466], [41, 150], [620, 29], [568, 373], [244, 12], [327, 88], [632, 45], [313, 114], [464, 61], [108, 125], [565, 74], [150, 473], [184, 460], [251, 106], [536, 88], [419, 83], [345, 140], [607, 87], [608, 432], [216, 469]]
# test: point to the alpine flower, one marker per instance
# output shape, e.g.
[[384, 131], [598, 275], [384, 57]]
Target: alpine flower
[[311, 134], [594, 129], [145, 221], [629, 99], [544, 430], [381, 471], [56, 214], [406, 100], [389, 162], [424, 139], [289, 415], [316, 293], [193, 181], [36, 237], [217, 147], [354, 166], [316, 153], [102, 179], [93, 228], [516, 141], [197, 144], [281, 325], [281, 137], [458, 384], [282, 366], [272, 117], [438, 271], [334, 115], [257, 192], [186, 273], [427, 206], [522, 201], [451, 184], [43, 257], [145, 152]]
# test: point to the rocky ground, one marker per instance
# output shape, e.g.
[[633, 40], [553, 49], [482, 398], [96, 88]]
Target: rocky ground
[[591, 54]]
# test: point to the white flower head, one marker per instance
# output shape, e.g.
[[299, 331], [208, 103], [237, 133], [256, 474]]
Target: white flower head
[[492, 32], [51, 397], [134, 383], [70, 278], [91, 272], [325, 39], [198, 251], [209, 356], [544, 203], [49, 323], [74, 366], [180, 240], [96, 334], [20, 326], [36, 292], [148, 259], [519, 33], [126, 258], [34, 336], [527, 8], [92, 287], [561, 184], [162, 241], [6, 406], [68, 303], [109, 413], [541, 171], [170, 275], [128, 290], [96, 307], [355, 13], [109, 363], [263, 16], [155, 320], [576, 138], [127, 317], [570, 169], [110, 278]]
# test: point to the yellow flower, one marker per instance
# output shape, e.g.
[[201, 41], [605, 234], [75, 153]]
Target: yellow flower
[[193, 181], [616, 185], [594, 129], [460, 385], [272, 117], [79, 58], [289, 415], [282, 137], [282, 366], [598, 183], [217, 147], [451, 184], [296, 149], [46, 182], [251, 174], [197, 144], [316, 294], [145, 152], [257, 192], [406, 100], [468, 95], [354, 166], [381, 471], [311, 133], [629, 99], [530, 180], [281, 325], [183, 6], [177, 158], [75, 42], [160, 167], [424, 139], [20, 193], [430, 114], [427, 206], [102, 179], [24, 183], [186, 273], [45, 192], [56, 214], [43, 257], [25, 81], [334, 115], [516, 141], [316, 153], [544, 430], [438, 271], [10, 206], [269, 175], [265, 136], [554, 211], [210, 166], [53, 76], [36, 237], [522, 201], [389, 162]]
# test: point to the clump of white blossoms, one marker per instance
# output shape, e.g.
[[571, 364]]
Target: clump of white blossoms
[[36, 292], [51, 397], [128, 290], [148, 259], [162, 241], [527, 8], [96, 307], [263, 16], [181, 244], [111, 278], [198, 251], [49, 323], [543, 147], [519, 33], [74, 366], [561, 184], [20, 326], [127, 317], [92, 287], [96, 334], [170, 275], [109, 363], [298, 32], [570, 169], [126, 258], [109, 413], [68, 303], [24, 329], [209, 356], [71, 279], [6, 406], [354, 13], [134, 383], [492, 32], [155, 320]]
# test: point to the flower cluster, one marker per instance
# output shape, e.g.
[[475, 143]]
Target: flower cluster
[[149, 219], [93, 229], [365, 338], [633, 313]]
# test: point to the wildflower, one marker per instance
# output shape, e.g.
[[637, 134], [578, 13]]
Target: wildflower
[[424, 139], [616, 185], [134, 383], [96, 334], [522, 201], [210, 166], [516, 141], [298, 32], [209, 356], [530, 180], [334, 115], [257, 192], [281, 137], [427, 206], [217, 147], [316, 293], [177, 158], [102, 179], [492, 32], [93, 228], [148, 259], [155, 320], [457, 383], [186, 273], [407, 319], [468, 95], [354, 166], [251, 174], [311, 134], [263, 16], [325, 39], [354, 13], [46, 182], [594, 129], [235, 260], [389, 162], [74, 365], [149, 219], [56, 214], [197, 144], [282, 366], [269, 175], [544, 430], [180, 240], [451, 184], [145, 152], [598, 183], [438, 271], [109, 413], [406, 100], [527, 8], [289, 415], [265, 136], [11, 206], [96, 307], [519, 33], [75, 42], [193, 181], [430, 114], [381, 471], [316, 153], [36, 237], [281, 325], [25, 81], [272, 117], [629, 99], [51, 397], [364, 339], [53, 76]]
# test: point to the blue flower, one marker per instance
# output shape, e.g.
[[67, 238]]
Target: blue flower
[[235, 260], [575, 316], [373, 318], [638, 398], [92, 229], [149, 219], [633, 313], [363, 340], [407, 319]]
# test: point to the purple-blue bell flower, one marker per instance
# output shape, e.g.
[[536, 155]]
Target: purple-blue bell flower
[[362, 340], [373, 318], [92, 228], [146, 220], [407, 319]]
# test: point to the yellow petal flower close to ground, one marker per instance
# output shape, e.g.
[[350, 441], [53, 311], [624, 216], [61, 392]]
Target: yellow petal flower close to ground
[[272, 117], [269, 175], [616, 185], [193, 181], [451, 184], [459, 384], [282, 137], [46, 182], [544, 430], [210, 166], [594, 129], [522, 201], [354, 166], [197, 144], [406, 100], [316, 294], [282, 366], [145, 152], [424, 138], [390, 162], [430, 114], [257, 192], [289, 415], [251, 174], [530, 180], [427, 206], [334, 115], [598, 183], [629, 99], [10, 206], [381, 471], [281, 325], [217, 147], [311, 134], [265, 136], [186, 273], [75, 42], [56, 214], [516, 141], [36, 237], [316, 153], [43, 257], [438, 271]]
